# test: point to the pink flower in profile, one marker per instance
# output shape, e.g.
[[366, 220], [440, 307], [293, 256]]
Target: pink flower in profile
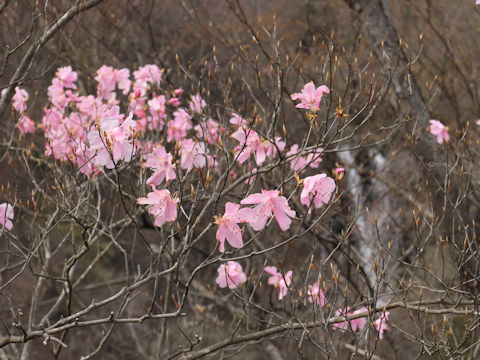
[[381, 324], [315, 294], [317, 189], [310, 96], [228, 228], [19, 100], [178, 91], [439, 130], [163, 208], [230, 274], [6, 216], [178, 127], [197, 103], [270, 202], [162, 163], [278, 280], [26, 125], [250, 143]]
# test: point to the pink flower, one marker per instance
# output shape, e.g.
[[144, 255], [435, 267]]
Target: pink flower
[[26, 125], [177, 128], [237, 120], [106, 81], [355, 324], [157, 110], [310, 97], [269, 201], [19, 100], [67, 77], [272, 149], [278, 280], [439, 130], [162, 163], [250, 143], [381, 324], [315, 294], [122, 77], [6, 216], [359, 323], [300, 163], [211, 131], [230, 274], [193, 154], [178, 91], [112, 140], [197, 103], [228, 228], [163, 208], [174, 101], [317, 189], [148, 73]]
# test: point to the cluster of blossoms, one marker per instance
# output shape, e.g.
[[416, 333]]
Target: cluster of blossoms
[[92, 132]]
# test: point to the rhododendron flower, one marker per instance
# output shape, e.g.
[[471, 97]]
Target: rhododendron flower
[[250, 143], [162, 163], [6, 216], [381, 324], [26, 125], [237, 120], [106, 81], [163, 208], [317, 189], [156, 106], [272, 149], [177, 128], [230, 274], [310, 97], [148, 74], [19, 100], [439, 130], [355, 324], [300, 163], [174, 101], [193, 154], [315, 294], [211, 133], [112, 140], [269, 201], [122, 77], [197, 104], [278, 280], [67, 77], [228, 228]]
